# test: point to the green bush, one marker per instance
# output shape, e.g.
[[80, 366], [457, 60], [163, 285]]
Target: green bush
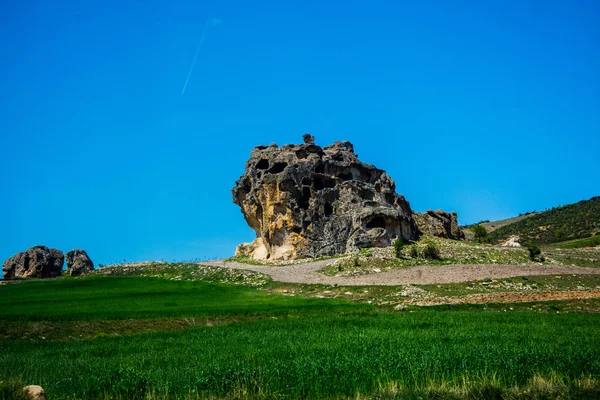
[[12, 390], [432, 252], [534, 251], [414, 253], [398, 247], [480, 233]]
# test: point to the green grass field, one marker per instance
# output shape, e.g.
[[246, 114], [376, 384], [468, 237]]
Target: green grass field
[[134, 345], [118, 298], [579, 243]]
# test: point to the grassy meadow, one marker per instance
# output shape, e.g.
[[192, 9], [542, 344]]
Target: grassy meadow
[[139, 337]]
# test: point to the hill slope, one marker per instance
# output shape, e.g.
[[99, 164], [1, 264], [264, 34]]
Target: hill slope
[[573, 221]]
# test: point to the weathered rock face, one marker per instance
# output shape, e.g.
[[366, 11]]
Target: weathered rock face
[[307, 201], [439, 223], [36, 262], [78, 262]]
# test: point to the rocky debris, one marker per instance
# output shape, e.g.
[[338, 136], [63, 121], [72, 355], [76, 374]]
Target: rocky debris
[[36, 262], [511, 241], [78, 262], [309, 201], [34, 392], [439, 223]]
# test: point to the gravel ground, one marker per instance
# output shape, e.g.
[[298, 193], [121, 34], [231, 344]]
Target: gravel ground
[[307, 273]]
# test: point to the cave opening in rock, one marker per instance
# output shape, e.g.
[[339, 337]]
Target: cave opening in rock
[[377, 222], [279, 209], [301, 154], [278, 167], [303, 201], [320, 168], [347, 176], [322, 182], [366, 195], [262, 164], [328, 209]]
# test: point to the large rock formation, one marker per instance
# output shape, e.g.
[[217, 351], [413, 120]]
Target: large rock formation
[[307, 201], [439, 223], [36, 262], [78, 262]]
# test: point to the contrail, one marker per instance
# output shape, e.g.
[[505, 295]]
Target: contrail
[[213, 21]]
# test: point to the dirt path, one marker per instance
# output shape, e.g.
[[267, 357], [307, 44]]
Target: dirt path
[[307, 273], [512, 297]]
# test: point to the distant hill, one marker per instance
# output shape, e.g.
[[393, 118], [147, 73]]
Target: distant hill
[[572, 221]]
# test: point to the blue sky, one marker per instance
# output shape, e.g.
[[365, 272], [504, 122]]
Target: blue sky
[[488, 108]]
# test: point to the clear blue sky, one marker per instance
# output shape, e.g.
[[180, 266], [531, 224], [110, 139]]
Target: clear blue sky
[[488, 108]]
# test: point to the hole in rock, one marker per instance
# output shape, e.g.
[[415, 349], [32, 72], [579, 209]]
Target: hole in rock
[[278, 167], [262, 164], [297, 230], [366, 195], [338, 157], [303, 201], [322, 182], [389, 197], [306, 181], [320, 168], [346, 176], [279, 209], [377, 222], [328, 209], [301, 154]]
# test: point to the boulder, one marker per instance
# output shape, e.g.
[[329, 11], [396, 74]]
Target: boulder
[[304, 200], [78, 262], [36, 262], [34, 392], [439, 223], [511, 241]]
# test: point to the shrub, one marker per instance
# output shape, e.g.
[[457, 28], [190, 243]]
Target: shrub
[[432, 252], [480, 233], [414, 253], [534, 251], [398, 247], [12, 390]]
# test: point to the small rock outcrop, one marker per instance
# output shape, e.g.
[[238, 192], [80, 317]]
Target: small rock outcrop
[[308, 201], [34, 392], [78, 262], [511, 241], [36, 262], [439, 223]]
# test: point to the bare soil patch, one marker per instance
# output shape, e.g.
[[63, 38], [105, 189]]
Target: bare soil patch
[[452, 273]]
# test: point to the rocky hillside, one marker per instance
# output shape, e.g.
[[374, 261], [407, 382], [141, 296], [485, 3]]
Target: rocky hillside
[[573, 221]]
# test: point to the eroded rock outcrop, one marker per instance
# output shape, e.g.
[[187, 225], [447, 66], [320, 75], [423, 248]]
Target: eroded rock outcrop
[[35, 262], [308, 201], [78, 262], [34, 392], [439, 223]]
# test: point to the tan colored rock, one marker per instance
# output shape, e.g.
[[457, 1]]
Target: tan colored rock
[[439, 223], [511, 241], [34, 392]]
